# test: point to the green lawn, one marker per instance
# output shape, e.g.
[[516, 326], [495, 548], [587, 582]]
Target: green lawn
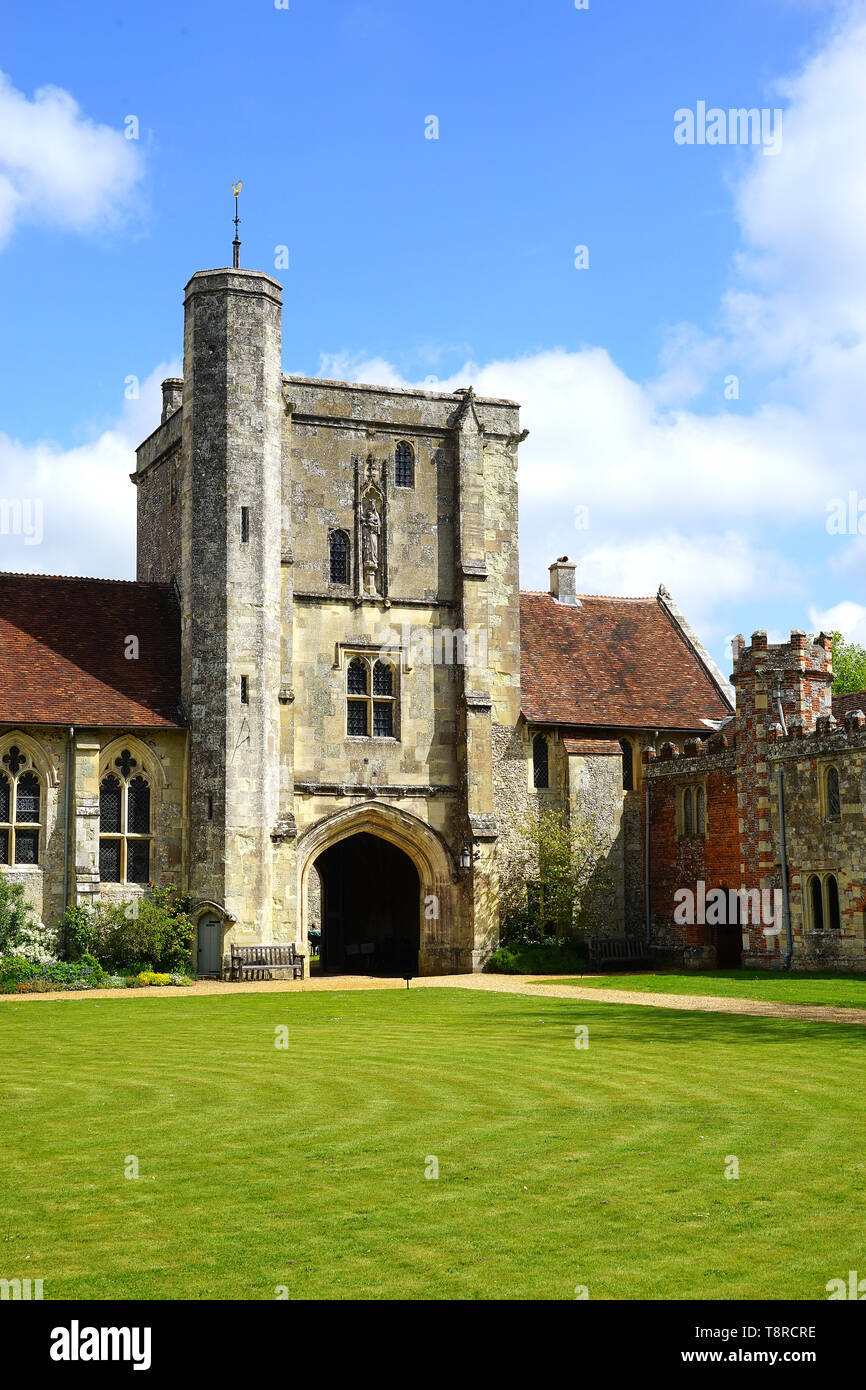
[[558, 1167], [842, 991]]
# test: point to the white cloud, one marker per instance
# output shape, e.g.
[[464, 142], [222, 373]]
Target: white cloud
[[84, 496], [706, 501], [59, 167], [702, 500], [846, 617]]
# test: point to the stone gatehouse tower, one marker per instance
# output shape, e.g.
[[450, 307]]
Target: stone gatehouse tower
[[323, 701], [345, 563]]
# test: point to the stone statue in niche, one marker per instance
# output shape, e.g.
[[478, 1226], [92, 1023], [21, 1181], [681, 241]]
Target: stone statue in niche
[[371, 527]]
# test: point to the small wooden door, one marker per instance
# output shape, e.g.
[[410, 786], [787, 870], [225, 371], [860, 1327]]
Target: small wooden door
[[209, 946]]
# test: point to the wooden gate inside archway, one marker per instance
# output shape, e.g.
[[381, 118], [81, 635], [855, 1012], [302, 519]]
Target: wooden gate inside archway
[[371, 907]]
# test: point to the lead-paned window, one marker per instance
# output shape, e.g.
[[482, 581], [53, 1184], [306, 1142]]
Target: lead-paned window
[[627, 765], [338, 543], [20, 808], [540, 762], [124, 823], [404, 465], [370, 698]]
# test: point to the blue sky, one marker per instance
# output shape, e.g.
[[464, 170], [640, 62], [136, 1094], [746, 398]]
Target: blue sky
[[454, 258]]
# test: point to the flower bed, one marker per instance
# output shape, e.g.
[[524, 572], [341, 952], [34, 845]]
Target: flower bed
[[18, 976]]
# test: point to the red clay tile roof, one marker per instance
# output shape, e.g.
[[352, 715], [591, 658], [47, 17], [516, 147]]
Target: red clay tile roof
[[589, 747], [62, 652], [611, 663], [842, 704]]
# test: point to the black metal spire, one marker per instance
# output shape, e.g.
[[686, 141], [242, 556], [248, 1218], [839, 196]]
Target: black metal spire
[[236, 244]]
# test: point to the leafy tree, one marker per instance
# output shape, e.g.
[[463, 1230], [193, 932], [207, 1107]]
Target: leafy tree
[[849, 666], [557, 879]]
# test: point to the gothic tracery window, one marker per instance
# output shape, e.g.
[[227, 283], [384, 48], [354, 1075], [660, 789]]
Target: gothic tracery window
[[20, 808], [124, 823], [693, 811], [404, 465], [370, 698]]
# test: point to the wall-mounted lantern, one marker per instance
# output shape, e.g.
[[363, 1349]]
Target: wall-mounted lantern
[[468, 854]]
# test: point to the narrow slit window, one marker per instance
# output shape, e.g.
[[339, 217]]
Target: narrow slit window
[[245, 690], [834, 920], [245, 524], [817, 903], [338, 544], [834, 803], [688, 814], [540, 762], [627, 766], [404, 465], [700, 811]]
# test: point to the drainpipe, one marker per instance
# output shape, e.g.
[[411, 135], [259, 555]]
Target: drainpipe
[[783, 850], [646, 885], [647, 857], [783, 853], [69, 737]]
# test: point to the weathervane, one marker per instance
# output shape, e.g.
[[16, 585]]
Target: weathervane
[[236, 244]]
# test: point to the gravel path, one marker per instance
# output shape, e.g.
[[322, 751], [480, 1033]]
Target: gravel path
[[503, 984]]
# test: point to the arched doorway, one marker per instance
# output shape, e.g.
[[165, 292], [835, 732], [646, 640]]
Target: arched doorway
[[370, 907]]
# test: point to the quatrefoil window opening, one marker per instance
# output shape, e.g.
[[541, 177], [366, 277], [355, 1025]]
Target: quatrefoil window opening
[[126, 763], [14, 759]]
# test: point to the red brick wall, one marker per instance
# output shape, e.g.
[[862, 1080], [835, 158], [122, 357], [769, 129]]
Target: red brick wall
[[680, 862]]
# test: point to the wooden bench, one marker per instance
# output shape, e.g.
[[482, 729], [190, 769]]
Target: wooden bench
[[613, 950], [257, 962]]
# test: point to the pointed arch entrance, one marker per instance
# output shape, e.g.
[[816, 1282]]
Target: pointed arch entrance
[[364, 908], [371, 907]]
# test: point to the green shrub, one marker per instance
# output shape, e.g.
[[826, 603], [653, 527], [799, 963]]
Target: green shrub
[[78, 931], [154, 932], [538, 958], [19, 976], [17, 918]]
